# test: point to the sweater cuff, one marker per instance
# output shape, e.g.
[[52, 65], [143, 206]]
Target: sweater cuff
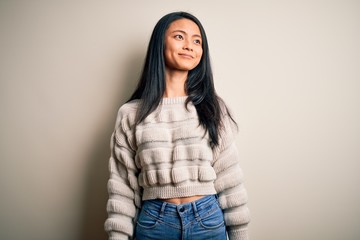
[[119, 236], [238, 234]]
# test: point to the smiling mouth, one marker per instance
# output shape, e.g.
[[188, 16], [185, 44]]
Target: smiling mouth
[[185, 55]]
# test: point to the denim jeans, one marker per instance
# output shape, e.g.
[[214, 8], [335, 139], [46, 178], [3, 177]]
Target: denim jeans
[[201, 219]]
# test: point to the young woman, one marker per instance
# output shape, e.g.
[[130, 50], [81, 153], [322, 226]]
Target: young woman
[[174, 166]]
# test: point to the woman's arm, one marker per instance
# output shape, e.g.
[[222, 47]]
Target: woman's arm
[[229, 183], [124, 192]]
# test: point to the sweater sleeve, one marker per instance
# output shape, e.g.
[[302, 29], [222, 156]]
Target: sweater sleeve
[[124, 192], [229, 183]]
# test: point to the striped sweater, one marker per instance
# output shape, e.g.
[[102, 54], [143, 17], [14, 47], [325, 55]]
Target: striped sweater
[[168, 155]]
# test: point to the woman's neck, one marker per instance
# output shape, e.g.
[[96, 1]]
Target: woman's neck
[[175, 83]]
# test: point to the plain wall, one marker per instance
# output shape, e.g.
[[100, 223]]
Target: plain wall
[[289, 70]]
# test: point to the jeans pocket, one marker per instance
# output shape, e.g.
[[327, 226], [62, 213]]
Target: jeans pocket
[[147, 219], [214, 219]]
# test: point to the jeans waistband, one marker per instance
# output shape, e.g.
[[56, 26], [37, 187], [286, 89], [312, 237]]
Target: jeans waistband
[[195, 206]]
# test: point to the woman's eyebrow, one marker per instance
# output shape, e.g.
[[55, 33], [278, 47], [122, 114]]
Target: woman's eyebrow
[[182, 31]]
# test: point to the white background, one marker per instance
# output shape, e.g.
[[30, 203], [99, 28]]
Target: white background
[[289, 70]]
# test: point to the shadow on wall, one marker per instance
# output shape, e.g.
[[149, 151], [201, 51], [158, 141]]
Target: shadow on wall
[[94, 212]]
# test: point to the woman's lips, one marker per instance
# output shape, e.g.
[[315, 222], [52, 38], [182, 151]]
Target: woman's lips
[[186, 55]]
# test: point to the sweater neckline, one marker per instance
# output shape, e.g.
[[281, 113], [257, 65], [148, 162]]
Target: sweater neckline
[[173, 100]]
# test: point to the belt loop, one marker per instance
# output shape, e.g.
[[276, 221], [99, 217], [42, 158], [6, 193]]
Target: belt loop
[[195, 211], [162, 210]]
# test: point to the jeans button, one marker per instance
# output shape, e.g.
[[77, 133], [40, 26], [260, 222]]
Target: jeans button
[[182, 209]]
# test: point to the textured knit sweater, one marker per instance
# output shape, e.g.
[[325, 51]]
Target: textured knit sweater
[[169, 155]]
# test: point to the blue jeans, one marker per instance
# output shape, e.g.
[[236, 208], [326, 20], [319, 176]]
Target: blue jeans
[[201, 219]]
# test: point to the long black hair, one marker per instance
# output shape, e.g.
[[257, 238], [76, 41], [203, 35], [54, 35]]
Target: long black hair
[[199, 85]]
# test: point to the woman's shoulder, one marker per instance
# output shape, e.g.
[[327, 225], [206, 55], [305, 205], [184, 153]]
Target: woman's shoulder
[[127, 112], [229, 124], [225, 110], [129, 107]]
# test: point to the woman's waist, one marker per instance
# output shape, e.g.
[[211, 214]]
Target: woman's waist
[[201, 205], [182, 200]]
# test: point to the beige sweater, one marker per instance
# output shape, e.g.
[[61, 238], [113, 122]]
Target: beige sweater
[[168, 155]]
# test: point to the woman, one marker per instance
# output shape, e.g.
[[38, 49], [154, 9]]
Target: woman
[[174, 167]]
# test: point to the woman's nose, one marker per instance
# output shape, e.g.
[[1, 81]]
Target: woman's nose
[[187, 47]]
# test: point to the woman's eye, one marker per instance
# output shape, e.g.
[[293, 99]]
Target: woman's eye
[[197, 41], [179, 37]]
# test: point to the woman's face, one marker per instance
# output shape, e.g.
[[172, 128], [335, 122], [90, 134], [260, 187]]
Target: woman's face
[[183, 45]]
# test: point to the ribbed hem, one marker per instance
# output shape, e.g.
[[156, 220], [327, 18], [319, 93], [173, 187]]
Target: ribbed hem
[[174, 100], [165, 192], [238, 234], [118, 236]]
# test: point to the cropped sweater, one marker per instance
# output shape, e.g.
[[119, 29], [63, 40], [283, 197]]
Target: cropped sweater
[[169, 155]]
